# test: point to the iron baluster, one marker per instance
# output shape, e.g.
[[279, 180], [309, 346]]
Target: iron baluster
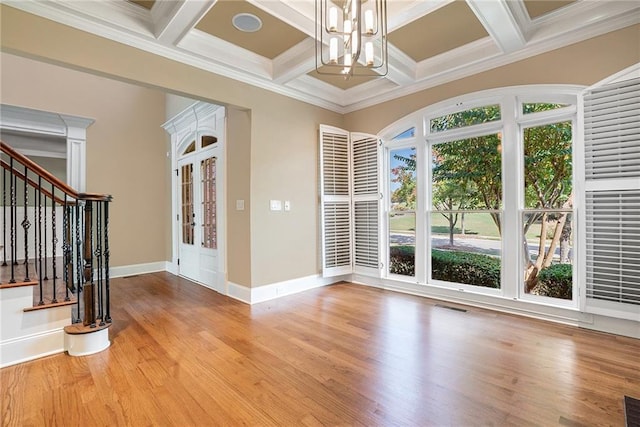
[[66, 247], [39, 224], [4, 217], [11, 213], [98, 255], [55, 240], [25, 226], [45, 240], [106, 261]]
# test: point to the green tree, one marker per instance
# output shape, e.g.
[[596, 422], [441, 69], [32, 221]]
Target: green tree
[[405, 195], [548, 185], [474, 166]]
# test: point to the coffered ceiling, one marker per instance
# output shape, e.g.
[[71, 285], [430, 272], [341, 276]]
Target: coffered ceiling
[[431, 42]]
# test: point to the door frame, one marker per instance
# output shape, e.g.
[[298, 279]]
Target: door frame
[[198, 119]]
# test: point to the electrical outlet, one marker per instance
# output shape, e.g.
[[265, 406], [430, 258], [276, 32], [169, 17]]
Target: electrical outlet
[[287, 205]]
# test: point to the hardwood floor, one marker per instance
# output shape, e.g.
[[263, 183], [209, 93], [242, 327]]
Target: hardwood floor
[[339, 355]]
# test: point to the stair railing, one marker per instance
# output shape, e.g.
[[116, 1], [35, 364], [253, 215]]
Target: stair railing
[[77, 249]]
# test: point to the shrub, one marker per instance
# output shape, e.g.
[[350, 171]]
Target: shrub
[[402, 260], [465, 267], [555, 281]]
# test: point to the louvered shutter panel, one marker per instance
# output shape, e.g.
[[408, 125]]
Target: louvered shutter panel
[[612, 198], [366, 199], [335, 201]]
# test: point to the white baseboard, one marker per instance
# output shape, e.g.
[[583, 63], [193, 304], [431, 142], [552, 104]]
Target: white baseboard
[[171, 267], [30, 347], [280, 289], [239, 292], [130, 270]]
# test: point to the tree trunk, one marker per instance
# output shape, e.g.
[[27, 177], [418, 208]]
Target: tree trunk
[[564, 242], [452, 225], [543, 242], [548, 259]]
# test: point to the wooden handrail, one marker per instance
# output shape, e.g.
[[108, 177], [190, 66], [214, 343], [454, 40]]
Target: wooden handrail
[[46, 175]]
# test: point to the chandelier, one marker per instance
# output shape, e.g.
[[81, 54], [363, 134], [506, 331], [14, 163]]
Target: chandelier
[[351, 37]]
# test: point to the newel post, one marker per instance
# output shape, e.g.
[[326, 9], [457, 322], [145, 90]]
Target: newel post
[[88, 288]]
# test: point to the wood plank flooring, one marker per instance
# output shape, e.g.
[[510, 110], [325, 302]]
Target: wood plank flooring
[[339, 355]]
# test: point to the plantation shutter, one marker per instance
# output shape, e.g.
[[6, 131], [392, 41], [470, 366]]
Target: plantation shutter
[[366, 200], [612, 198], [335, 201], [349, 202]]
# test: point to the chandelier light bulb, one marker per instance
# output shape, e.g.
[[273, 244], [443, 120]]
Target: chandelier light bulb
[[368, 53], [333, 19], [368, 22], [333, 50]]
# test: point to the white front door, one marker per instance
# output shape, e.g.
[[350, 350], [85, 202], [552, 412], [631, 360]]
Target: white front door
[[199, 184]]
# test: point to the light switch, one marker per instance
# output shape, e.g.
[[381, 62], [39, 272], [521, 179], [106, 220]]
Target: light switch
[[287, 205], [239, 205], [276, 205]]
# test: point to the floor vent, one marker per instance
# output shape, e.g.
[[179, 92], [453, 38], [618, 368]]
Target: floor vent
[[451, 308]]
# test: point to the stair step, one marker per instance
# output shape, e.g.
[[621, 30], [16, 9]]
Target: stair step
[[18, 284], [79, 328], [50, 305]]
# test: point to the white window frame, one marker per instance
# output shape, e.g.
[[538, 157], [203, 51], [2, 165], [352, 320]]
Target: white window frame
[[510, 99]]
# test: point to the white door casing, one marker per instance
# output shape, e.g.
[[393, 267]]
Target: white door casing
[[197, 149]]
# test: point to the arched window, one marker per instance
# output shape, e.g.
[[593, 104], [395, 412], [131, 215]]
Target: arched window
[[479, 194]]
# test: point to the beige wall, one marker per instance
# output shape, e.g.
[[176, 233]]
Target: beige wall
[[583, 63], [272, 151], [126, 135], [239, 188], [283, 141]]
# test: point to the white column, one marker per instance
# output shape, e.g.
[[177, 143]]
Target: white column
[[77, 151]]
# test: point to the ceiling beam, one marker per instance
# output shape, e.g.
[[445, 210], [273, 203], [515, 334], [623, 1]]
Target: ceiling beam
[[173, 20], [497, 19]]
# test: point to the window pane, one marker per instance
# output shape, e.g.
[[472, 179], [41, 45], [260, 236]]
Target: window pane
[[474, 116], [402, 179], [466, 248], [191, 148], [548, 243], [187, 204], [402, 219], [208, 140], [208, 177], [536, 107], [467, 174], [402, 243], [548, 166], [409, 133]]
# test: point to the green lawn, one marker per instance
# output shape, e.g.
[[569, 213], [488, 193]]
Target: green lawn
[[479, 224]]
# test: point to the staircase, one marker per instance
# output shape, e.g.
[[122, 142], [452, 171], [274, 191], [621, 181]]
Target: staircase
[[54, 264]]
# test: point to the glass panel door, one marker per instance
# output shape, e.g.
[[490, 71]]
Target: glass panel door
[[208, 180]]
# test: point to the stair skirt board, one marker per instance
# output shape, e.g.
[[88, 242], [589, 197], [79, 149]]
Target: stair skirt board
[[30, 347], [86, 344]]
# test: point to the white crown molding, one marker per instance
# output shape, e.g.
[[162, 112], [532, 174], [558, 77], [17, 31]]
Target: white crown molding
[[401, 13], [207, 46], [135, 26], [300, 59], [172, 21], [535, 47], [27, 120], [497, 19], [298, 14]]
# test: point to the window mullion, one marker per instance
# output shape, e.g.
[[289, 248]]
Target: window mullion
[[512, 175]]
